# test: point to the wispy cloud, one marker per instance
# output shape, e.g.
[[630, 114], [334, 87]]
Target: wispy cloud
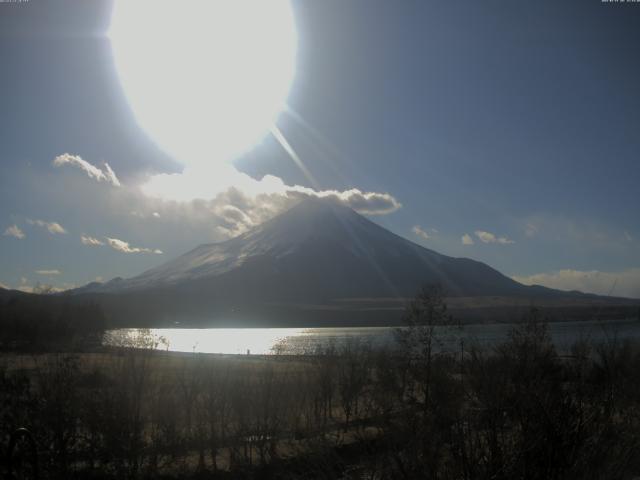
[[488, 237], [91, 241], [143, 215], [14, 231], [625, 283], [53, 228], [531, 230], [49, 272], [125, 247], [583, 232], [421, 232], [117, 244], [41, 288], [93, 172], [467, 240]]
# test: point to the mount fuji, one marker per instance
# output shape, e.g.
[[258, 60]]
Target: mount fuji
[[319, 259], [318, 250]]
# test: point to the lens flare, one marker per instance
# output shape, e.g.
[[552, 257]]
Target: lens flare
[[205, 78]]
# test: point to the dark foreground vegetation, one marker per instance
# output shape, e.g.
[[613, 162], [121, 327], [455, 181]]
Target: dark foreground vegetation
[[517, 411], [30, 322]]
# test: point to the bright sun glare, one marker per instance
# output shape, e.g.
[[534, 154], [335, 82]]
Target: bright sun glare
[[205, 78]]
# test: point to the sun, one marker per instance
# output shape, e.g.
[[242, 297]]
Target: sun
[[205, 79]]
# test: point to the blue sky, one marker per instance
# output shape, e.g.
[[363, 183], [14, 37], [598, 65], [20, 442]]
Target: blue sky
[[517, 119]]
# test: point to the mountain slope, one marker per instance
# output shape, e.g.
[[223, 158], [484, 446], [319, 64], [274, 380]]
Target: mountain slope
[[315, 252]]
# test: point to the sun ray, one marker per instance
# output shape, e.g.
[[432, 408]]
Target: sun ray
[[315, 133], [326, 150], [277, 133]]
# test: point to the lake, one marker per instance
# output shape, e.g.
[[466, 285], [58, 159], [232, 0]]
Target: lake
[[266, 341]]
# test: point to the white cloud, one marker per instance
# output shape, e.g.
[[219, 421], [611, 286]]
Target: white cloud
[[206, 185], [49, 272], [125, 247], [52, 227], [625, 283], [419, 231], [467, 240], [485, 237], [505, 241], [366, 203], [234, 211], [91, 241], [14, 231], [6, 287], [106, 175], [488, 237]]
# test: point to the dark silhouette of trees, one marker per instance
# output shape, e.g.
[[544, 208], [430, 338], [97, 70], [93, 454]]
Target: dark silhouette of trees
[[39, 322], [422, 408]]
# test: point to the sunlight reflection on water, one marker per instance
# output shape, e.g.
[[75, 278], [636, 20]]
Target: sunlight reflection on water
[[265, 341], [206, 340]]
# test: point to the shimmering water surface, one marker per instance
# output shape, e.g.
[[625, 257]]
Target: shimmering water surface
[[264, 341]]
